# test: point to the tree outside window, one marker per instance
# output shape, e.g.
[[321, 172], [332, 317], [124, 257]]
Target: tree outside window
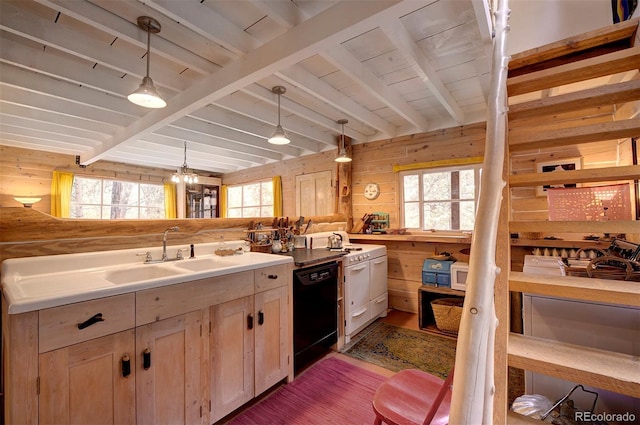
[[250, 200], [96, 198], [440, 199]]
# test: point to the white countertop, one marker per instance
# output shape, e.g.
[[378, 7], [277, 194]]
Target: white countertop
[[34, 283]]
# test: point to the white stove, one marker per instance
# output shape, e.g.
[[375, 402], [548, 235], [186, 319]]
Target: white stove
[[365, 281]]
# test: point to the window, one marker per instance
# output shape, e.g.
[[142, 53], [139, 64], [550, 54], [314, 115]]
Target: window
[[440, 198], [250, 200], [106, 199]]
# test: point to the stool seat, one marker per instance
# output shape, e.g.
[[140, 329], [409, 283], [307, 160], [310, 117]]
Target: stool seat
[[407, 397]]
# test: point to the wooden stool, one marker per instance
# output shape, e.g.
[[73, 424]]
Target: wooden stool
[[413, 397]]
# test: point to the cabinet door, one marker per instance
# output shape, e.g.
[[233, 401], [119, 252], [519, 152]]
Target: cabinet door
[[378, 277], [84, 383], [271, 338], [169, 359], [231, 355]]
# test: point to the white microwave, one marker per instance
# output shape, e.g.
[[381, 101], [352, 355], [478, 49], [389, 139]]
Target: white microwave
[[459, 272]]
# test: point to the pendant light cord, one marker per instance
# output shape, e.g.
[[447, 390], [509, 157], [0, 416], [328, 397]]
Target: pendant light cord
[[148, 49]]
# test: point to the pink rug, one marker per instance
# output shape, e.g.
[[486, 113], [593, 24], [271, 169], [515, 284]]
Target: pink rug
[[330, 392]]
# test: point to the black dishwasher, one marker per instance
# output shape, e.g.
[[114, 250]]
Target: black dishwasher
[[315, 312]]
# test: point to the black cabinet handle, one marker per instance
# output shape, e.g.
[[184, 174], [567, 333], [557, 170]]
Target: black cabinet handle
[[250, 321], [126, 366], [146, 359], [91, 320], [260, 318], [272, 276]]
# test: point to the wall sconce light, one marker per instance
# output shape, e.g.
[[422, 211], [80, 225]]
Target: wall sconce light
[[279, 136], [342, 153], [27, 202], [146, 95]]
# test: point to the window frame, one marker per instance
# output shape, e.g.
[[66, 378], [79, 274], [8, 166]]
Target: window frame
[[101, 206], [476, 167], [260, 206]]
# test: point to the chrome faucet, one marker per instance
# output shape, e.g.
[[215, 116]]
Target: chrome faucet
[[164, 241]]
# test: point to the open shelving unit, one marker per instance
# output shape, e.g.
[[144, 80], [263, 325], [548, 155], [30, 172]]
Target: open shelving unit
[[603, 53]]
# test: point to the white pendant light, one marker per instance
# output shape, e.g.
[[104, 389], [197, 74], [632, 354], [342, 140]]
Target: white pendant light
[[185, 173], [279, 136], [342, 153], [146, 95]]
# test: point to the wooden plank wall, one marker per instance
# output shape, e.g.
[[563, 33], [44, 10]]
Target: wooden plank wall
[[525, 203], [25, 172], [373, 163]]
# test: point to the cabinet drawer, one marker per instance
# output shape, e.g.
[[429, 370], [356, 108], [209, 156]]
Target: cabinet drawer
[[273, 277], [58, 326]]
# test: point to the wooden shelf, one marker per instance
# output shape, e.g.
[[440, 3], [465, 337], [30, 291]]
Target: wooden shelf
[[411, 238], [582, 227], [559, 243], [628, 172], [599, 368], [599, 290]]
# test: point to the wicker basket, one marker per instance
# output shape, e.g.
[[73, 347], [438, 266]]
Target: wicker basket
[[260, 247], [447, 313]]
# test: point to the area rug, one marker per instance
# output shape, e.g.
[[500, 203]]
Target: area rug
[[395, 348], [331, 391]]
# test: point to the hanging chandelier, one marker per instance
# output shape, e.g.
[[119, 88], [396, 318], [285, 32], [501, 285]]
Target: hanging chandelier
[[342, 153], [185, 174]]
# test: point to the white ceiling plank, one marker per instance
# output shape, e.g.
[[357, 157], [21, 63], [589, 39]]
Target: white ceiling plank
[[205, 144], [297, 110], [19, 121], [38, 83], [174, 31], [337, 23], [34, 100], [21, 142], [241, 151], [60, 67], [193, 124], [121, 28], [46, 135], [396, 31], [201, 20], [318, 88], [71, 122], [241, 105], [61, 38], [284, 12], [197, 153], [343, 59]]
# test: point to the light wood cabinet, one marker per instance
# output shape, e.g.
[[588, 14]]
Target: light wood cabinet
[[249, 348], [271, 338], [84, 383], [231, 355], [169, 366], [195, 352]]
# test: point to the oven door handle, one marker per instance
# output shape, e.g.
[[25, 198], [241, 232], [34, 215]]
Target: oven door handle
[[359, 313], [358, 268]]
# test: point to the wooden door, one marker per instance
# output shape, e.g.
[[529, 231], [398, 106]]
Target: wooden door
[[84, 383], [271, 338], [232, 355], [314, 194], [169, 387]]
